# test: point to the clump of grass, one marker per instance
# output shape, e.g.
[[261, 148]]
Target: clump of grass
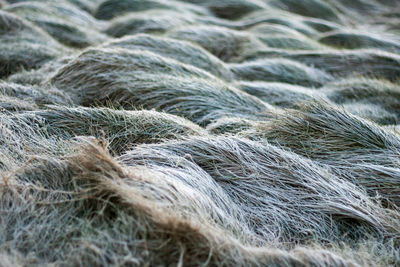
[[365, 62], [115, 214], [181, 51], [280, 94], [354, 149], [13, 104], [321, 25], [41, 75], [231, 9], [112, 8], [368, 92], [122, 129], [277, 17], [308, 7], [284, 37], [64, 22], [222, 42], [151, 21], [87, 5], [21, 142], [39, 95], [373, 112], [230, 125], [139, 79], [23, 46], [347, 90], [354, 10], [283, 196], [109, 9], [98, 60], [272, 29], [214, 133], [289, 42], [280, 70], [357, 40]]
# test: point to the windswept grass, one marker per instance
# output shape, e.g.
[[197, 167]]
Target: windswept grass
[[355, 149], [40, 95], [280, 70], [224, 43], [23, 46], [64, 22], [344, 64], [109, 9], [199, 133], [122, 129], [368, 92], [307, 8], [280, 94], [153, 21], [247, 171], [125, 208], [358, 40], [230, 9], [181, 51], [139, 79]]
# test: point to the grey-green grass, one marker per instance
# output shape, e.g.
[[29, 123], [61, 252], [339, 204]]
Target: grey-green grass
[[360, 62], [248, 171], [230, 9], [109, 9], [141, 79], [278, 17], [122, 217], [358, 40], [321, 25], [86, 5], [154, 21], [23, 45], [366, 91], [181, 51], [40, 95], [280, 70], [222, 42], [307, 8], [230, 125], [14, 104], [289, 42], [284, 95], [373, 112], [283, 37], [188, 142], [272, 29], [40, 75], [122, 129], [97, 178], [64, 22], [353, 148]]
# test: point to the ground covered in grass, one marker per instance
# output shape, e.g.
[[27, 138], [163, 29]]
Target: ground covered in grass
[[199, 133]]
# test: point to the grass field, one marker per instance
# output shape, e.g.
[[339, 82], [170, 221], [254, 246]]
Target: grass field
[[199, 133]]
